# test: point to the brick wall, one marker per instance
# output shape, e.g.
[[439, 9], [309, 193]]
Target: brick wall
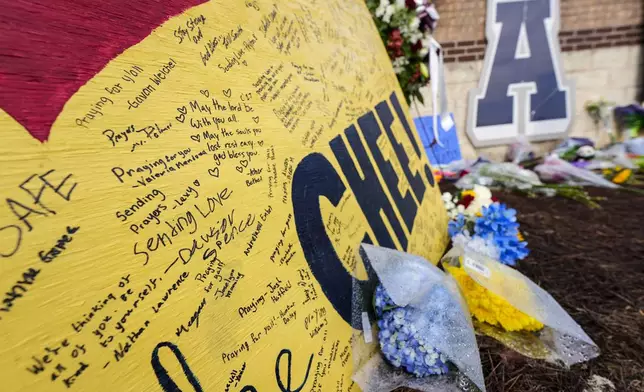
[[463, 51], [603, 37], [461, 20], [585, 24], [589, 14]]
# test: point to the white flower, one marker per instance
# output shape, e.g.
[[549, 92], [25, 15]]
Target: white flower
[[399, 64], [430, 360], [385, 10], [482, 198], [404, 31], [389, 11], [483, 192], [414, 37], [400, 4], [415, 23], [382, 7], [476, 244], [426, 41], [411, 31], [451, 205], [454, 211]]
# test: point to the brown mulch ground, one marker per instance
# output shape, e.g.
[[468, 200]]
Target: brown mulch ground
[[592, 262]]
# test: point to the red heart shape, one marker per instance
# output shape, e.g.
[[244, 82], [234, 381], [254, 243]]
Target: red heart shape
[[51, 48]]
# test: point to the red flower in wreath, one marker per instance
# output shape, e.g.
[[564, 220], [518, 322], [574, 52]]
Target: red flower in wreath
[[417, 46], [394, 44], [416, 75]]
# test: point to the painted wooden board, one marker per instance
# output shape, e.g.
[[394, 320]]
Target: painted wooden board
[[185, 187]]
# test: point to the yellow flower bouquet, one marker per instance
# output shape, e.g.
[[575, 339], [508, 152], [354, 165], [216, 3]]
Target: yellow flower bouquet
[[490, 308], [509, 307]]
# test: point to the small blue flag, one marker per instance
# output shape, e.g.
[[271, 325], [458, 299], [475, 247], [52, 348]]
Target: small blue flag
[[450, 150]]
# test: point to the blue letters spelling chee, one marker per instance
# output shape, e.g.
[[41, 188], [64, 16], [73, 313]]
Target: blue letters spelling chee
[[315, 177]]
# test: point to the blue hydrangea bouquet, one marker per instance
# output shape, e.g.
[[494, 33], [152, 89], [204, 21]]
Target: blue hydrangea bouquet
[[401, 342], [416, 332]]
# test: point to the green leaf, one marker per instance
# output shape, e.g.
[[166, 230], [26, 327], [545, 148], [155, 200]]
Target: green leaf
[[419, 96]]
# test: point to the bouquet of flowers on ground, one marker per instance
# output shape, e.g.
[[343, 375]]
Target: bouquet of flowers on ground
[[509, 307], [513, 177], [425, 339], [630, 118], [405, 27], [480, 223]]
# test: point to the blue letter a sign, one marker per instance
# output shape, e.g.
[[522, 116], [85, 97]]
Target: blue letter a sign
[[522, 90]]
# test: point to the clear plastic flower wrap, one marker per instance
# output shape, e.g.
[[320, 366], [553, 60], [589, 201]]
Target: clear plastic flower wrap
[[416, 329], [509, 307], [554, 168], [520, 151], [506, 174]]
